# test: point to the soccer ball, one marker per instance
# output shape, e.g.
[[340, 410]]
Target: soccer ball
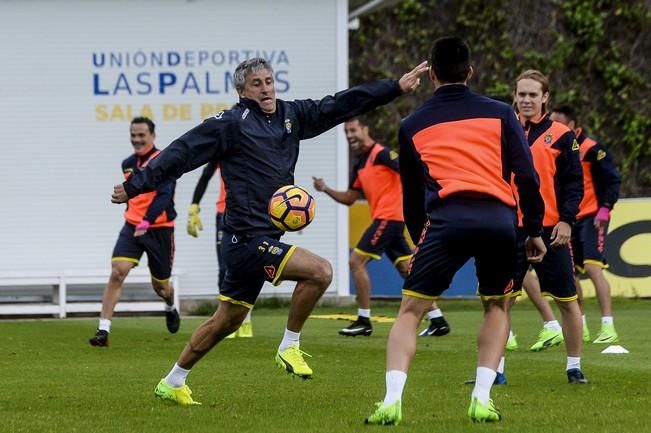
[[291, 208]]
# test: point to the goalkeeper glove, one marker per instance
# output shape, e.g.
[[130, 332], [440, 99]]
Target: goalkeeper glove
[[141, 228], [194, 222], [602, 217]]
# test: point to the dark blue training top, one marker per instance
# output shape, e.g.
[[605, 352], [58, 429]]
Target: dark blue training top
[[257, 151]]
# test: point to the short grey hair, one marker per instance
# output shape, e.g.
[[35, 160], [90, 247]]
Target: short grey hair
[[248, 66]]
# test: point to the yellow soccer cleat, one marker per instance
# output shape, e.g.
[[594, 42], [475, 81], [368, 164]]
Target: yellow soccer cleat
[[547, 338], [291, 360], [386, 415], [246, 329], [586, 334], [479, 412], [181, 396], [607, 335], [511, 344]]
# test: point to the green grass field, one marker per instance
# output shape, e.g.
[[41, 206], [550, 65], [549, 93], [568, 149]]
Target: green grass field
[[53, 381]]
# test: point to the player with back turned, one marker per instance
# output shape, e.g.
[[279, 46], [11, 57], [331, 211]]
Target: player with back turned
[[458, 152]]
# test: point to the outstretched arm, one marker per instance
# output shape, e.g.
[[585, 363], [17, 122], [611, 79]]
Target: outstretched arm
[[317, 117], [208, 141], [347, 197]]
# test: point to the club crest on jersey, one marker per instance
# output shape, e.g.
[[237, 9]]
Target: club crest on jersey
[[601, 155], [548, 138], [575, 145], [288, 126]]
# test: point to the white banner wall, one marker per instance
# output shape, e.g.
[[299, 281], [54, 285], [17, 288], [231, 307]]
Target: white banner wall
[[74, 73]]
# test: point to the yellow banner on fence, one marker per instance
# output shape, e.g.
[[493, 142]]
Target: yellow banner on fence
[[628, 246], [628, 250]]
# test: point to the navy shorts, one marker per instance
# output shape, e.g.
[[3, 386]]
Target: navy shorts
[[250, 261], [555, 273], [158, 243], [456, 231], [385, 236], [588, 244]]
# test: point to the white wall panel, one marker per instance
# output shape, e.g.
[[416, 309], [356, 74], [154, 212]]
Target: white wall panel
[[60, 152]]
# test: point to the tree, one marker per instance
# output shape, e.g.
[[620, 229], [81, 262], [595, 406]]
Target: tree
[[592, 50]]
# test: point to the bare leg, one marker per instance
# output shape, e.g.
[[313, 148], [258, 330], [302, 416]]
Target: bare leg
[[531, 285], [602, 288], [313, 275], [510, 301], [511, 343], [361, 278], [401, 348], [164, 289], [225, 321], [572, 327], [119, 271], [493, 333], [579, 292], [401, 345], [403, 268], [491, 340]]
